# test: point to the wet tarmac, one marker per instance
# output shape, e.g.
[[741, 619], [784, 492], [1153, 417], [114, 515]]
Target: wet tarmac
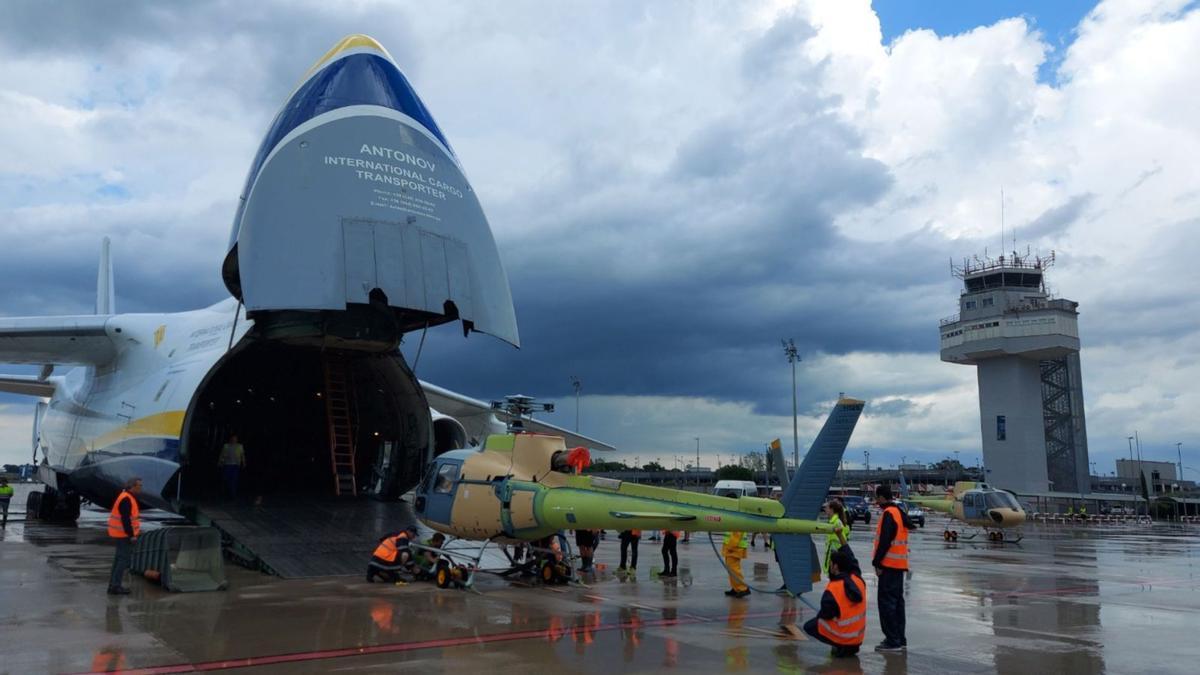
[[1066, 599]]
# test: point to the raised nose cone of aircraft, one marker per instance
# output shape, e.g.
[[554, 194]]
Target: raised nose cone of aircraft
[[355, 197]]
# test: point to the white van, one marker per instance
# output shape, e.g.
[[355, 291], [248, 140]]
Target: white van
[[735, 488]]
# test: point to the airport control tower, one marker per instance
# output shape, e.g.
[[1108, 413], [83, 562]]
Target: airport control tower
[[1026, 346]]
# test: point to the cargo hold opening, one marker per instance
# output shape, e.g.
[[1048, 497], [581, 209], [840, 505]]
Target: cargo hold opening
[[283, 402]]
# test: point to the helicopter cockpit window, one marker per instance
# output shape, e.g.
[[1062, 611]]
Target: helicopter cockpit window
[[427, 479], [446, 475], [1001, 500]]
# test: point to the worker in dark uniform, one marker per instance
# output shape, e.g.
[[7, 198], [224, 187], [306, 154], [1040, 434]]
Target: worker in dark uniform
[[669, 554], [890, 561], [586, 540], [124, 525], [629, 540], [391, 553], [6, 493], [842, 619]]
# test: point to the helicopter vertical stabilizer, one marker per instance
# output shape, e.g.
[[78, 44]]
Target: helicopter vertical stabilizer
[[796, 553]]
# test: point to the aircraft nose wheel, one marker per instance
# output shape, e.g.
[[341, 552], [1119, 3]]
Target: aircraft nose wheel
[[451, 575], [950, 535]]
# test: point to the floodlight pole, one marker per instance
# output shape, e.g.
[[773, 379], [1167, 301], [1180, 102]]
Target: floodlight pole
[[789, 349], [577, 384]]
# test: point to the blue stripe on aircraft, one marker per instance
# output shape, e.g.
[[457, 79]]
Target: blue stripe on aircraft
[[357, 79]]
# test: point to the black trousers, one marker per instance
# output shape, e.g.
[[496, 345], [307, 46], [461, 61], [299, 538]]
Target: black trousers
[[810, 627], [891, 605], [670, 554], [626, 544], [385, 574], [121, 560], [4, 508]]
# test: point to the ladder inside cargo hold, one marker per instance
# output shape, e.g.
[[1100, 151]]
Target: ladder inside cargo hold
[[341, 427]]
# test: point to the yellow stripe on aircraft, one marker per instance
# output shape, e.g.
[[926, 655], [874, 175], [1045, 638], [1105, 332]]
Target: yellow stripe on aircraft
[[169, 423], [349, 42]]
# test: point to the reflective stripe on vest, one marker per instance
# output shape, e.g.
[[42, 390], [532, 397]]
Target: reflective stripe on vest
[[389, 547], [850, 627], [896, 556], [115, 528]]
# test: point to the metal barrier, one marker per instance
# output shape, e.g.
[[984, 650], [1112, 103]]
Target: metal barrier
[[1098, 519], [181, 559]]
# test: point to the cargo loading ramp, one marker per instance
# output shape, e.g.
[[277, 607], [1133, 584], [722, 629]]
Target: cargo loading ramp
[[303, 537]]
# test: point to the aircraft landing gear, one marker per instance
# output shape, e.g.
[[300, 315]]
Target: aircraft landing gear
[[950, 535], [449, 574], [1001, 538], [53, 506]]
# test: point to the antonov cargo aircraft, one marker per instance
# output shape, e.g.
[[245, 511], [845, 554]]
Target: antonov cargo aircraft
[[356, 226]]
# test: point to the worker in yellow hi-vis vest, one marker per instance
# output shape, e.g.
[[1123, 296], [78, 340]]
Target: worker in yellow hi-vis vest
[[734, 550]]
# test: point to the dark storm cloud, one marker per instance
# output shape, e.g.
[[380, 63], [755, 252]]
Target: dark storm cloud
[[682, 282], [675, 280], [282, 41]]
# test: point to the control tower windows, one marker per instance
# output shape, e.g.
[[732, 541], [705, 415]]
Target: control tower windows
[[1009, 279], [988, 302], [969, 304]]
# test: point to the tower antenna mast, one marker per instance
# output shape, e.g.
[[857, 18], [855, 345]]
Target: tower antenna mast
[[1001, 220]]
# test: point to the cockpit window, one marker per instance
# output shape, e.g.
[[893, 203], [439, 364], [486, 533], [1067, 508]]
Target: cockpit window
[[427, 480], [446, 475], [1001, 500]]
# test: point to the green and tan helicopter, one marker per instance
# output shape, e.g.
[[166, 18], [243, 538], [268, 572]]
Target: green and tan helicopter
[[522, 488], [976, 504]]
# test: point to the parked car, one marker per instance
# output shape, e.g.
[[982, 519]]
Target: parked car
[[857, 508], [916, 514], [735, 488]]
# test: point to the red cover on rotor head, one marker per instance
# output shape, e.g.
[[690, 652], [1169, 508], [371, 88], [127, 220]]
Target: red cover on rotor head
[[579, 459]]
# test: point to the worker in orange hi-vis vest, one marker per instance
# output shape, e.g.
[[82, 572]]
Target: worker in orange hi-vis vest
[[890, 561], [842, 620], [124, 526]]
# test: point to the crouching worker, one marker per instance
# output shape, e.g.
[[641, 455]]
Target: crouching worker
[[842, 621], [391, 556], [427, 560]]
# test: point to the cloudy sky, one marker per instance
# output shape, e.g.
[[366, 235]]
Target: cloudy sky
[[674, 186]]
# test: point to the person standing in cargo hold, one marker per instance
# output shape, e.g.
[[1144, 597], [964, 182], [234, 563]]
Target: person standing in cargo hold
[[233, 460], [124, 525]]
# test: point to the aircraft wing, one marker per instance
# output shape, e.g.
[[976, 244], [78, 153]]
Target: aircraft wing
[[459, 406], [55, 340], [27, 385]]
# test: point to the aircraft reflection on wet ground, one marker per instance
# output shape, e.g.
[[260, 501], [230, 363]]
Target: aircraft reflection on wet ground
[[1061, 601]]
